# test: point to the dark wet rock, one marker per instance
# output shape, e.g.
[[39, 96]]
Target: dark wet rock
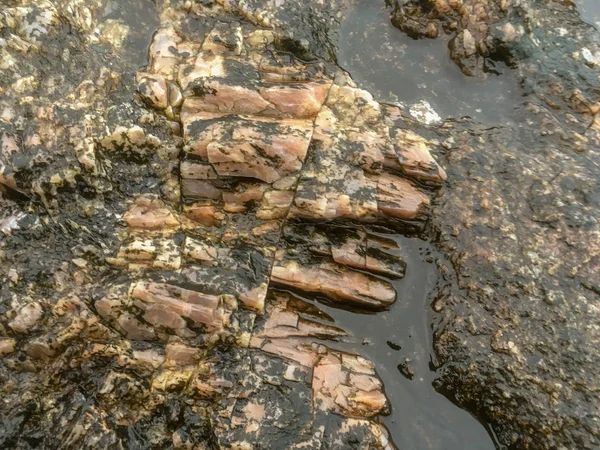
[[525, 264], [274, 398], [554, 53], [406, 370], [517, 342], [353, 248], [483, 32], [307, 30]]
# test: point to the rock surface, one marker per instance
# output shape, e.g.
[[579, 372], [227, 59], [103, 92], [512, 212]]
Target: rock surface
[[152, 217], [146, 213], [518, 338]]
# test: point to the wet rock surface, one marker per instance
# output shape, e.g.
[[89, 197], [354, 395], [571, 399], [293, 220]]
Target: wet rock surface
[[524, 308], [178, 232], [148, 212], [517, 341], [424, 79]]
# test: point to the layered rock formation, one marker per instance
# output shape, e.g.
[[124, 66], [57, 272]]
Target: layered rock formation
[[155, 239], [170, 225]]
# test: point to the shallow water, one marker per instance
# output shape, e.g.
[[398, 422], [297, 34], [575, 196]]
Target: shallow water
[[421, 418], [397, 68], [141, 17], [589, 11]]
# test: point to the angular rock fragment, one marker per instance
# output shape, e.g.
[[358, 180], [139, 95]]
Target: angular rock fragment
[[224, 39], [204, 214], [152, 239], [257, 148], [352, 176], [7, 346], [239, 128], [179, 354], [27, 318], [149, 214], [153, 89], [263, 395], [223, 95], [334, 281], [359, 249], [398, 198], [335, 262], [152, 311], [414, 157], [304, 353], [168, 49], [347, 384], [201, 309], [341, 382], [236, 267], [289, 317], [123, 138]]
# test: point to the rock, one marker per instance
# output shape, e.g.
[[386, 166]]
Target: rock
[[335, 282], [7, 346], [522, 248], [345, 384], [27, 318], [153, 89], [472, 25], [154, 239], [261, 149]]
